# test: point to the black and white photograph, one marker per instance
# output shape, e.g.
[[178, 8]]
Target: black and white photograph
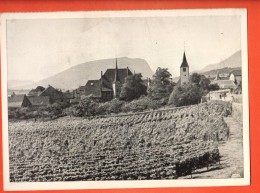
[[125, 99]]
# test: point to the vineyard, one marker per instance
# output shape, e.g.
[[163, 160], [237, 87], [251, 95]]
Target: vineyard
[[153, 145]]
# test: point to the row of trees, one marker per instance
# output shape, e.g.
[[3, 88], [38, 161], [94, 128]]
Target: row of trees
[[163, 88], [135, 96]]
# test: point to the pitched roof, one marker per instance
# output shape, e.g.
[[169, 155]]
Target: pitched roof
[[39, 100], [225, 83], [16, 100], [184, 61], [236, 72], [93, 88]]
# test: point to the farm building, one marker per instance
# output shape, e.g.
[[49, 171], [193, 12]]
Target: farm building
[[224, 82], [46, 96], [18, 101], [54, 94]]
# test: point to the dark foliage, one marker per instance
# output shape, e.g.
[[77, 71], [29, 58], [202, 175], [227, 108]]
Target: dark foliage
[[161, 85], [133, 87], [187, 94]]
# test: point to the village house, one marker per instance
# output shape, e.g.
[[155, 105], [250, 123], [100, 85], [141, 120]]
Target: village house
[[236, 76], [224, 82]]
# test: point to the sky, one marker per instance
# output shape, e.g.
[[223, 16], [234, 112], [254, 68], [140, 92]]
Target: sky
[[39, 48]]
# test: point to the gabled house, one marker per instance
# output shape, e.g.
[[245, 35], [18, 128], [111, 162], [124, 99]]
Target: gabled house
[[225, 84], [236, 76], [109, 85], [18, 101], [45, 96]]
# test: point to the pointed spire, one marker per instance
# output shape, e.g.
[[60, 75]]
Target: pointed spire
[[184, 61], [116, 72]]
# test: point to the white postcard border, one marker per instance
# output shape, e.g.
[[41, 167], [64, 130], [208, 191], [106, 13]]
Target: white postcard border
[[10, 186]]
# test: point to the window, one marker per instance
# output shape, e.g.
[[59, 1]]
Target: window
[[184, 69]]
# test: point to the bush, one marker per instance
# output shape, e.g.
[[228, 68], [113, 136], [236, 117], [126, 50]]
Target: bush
[[186, 94], [115, 106]]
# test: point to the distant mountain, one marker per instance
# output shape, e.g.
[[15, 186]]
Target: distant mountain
[[231, 62], [79, 75]]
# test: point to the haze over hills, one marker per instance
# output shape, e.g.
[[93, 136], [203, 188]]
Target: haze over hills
[[18, 83], [231, 62], [79, 75]]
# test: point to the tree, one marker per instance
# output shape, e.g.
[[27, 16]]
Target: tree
[[161, 85], [203, 82], [86, 107], [186, 94], [133, 87], [195, 78]]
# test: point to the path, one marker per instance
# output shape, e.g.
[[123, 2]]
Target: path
[[231, 151]]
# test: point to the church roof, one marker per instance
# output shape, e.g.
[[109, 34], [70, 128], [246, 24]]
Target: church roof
[[121, 74], [184, 61]]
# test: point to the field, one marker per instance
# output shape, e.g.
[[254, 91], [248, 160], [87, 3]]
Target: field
[[165, 144]]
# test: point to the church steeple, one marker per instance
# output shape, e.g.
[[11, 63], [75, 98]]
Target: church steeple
[[116, 73], [184, 61], [116, 84], [184, 70]]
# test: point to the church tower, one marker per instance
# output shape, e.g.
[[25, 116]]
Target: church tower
[[184, 70], [116, 84]]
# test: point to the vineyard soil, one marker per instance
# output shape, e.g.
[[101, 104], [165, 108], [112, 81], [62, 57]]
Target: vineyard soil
[[150, 146], [231, 161]]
